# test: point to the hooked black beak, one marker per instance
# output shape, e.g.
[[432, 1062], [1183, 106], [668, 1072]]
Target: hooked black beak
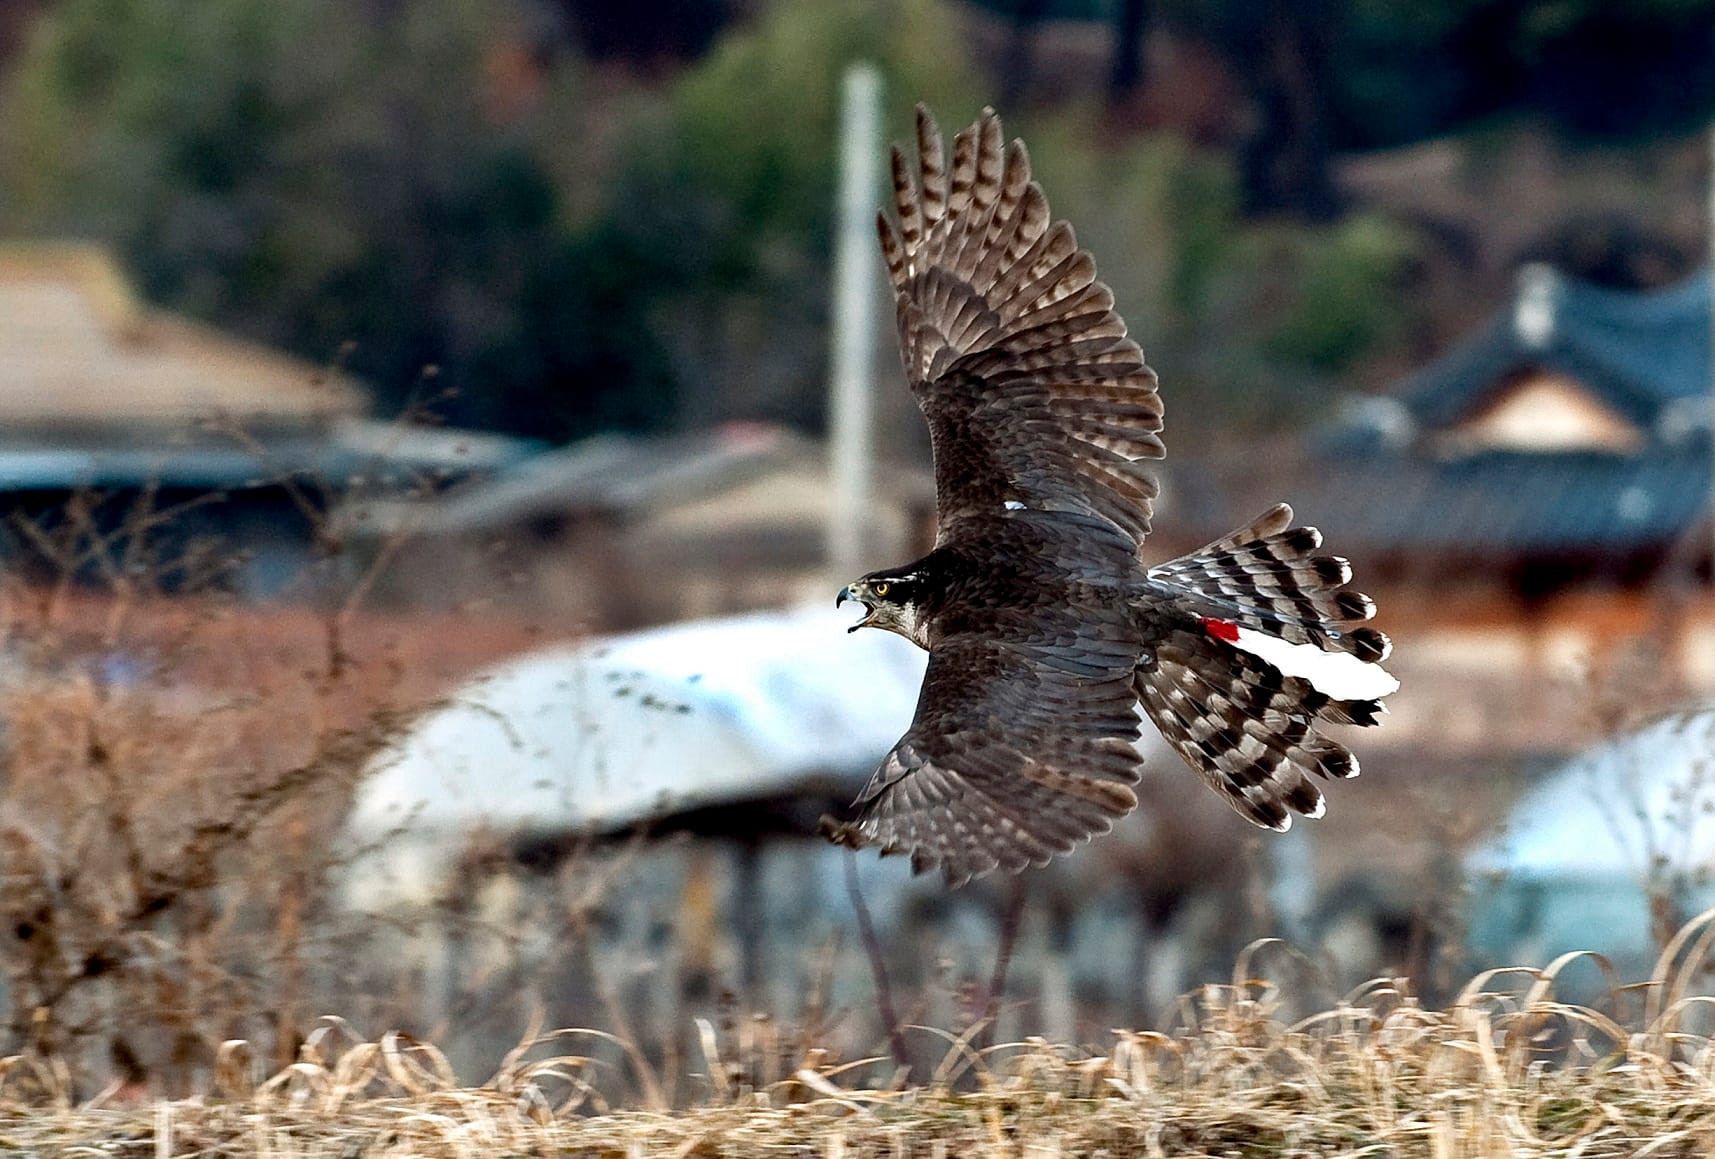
[[846, 593]]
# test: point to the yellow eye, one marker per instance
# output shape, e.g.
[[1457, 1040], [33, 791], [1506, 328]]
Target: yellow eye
[[881, 588]]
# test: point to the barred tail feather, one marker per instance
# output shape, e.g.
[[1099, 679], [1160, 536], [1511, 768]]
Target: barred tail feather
[[1266, 576], [1246, 727]]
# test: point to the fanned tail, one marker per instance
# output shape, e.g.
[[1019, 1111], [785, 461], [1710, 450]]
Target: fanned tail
[[1215, 685], [1266, 576], [1248, 728]]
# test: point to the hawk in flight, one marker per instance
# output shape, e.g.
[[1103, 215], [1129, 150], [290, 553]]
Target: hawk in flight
[[1044, 628]]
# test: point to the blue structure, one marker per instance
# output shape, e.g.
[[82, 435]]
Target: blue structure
[[1572, 430]]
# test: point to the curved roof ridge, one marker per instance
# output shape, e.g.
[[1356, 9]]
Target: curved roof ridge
[[1639, 351]]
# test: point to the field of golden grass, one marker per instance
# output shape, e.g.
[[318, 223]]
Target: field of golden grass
[[1506, 1070]]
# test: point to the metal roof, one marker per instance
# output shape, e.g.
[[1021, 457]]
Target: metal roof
[[628, 477], [620, 473], [340, 453]]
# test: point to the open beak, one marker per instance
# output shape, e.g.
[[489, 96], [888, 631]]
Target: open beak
[[846, 593]]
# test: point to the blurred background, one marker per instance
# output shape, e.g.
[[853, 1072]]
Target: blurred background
[[414, 427]]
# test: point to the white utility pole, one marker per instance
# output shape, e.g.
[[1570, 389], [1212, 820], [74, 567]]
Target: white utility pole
[[851, 372], [1710, 442]]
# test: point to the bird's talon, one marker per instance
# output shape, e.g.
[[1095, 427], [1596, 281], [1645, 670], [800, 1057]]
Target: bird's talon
[[841, 833]]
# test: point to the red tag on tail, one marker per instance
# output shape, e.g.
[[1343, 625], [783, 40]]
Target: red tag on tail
[[1221, 629]]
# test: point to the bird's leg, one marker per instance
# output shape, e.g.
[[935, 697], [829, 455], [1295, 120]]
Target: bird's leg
[[1010, 919], [878, 967]]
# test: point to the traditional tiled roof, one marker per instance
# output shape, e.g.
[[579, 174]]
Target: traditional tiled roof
[[1508, 503], [1641, 353], [1389, 480]]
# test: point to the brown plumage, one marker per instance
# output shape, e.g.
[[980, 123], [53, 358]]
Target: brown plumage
[[1045, 630]]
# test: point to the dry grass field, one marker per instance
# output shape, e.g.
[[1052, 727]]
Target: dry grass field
[[1505, 1071], [160, 886]]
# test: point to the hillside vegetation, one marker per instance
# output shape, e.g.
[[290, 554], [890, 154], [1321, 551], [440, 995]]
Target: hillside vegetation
[[580, 234]]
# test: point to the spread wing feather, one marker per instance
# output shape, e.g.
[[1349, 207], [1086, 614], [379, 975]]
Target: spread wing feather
[[1032, 392], [1019, 750]]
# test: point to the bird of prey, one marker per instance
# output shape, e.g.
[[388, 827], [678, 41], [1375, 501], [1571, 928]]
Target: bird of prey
[[1045, 629]]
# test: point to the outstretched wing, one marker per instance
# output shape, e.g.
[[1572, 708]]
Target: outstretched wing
[[1032, 392], [1019, 751]]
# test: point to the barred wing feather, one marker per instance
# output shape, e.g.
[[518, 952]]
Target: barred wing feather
[[1033, 394]]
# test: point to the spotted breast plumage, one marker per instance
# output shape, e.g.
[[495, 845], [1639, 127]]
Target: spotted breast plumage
[[1045, 629]]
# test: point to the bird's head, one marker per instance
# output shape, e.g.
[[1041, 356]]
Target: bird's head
[[891, 601]]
